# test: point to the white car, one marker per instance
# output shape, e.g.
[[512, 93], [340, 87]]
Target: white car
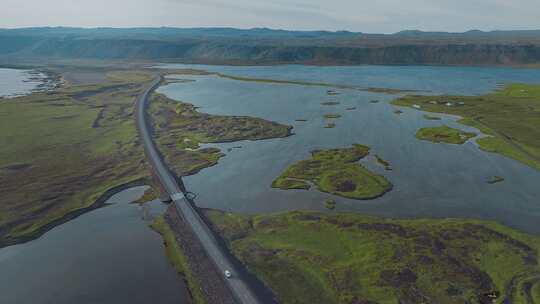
[[228, 274]]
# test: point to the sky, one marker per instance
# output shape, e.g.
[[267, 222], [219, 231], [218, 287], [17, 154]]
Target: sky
[[372, 16]]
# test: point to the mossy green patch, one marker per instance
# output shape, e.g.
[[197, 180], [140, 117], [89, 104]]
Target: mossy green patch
[[510, 115], [430, 117], [148, 196], [288, 184], [330, 204], [337, 171], [310, 257], [444, 134]]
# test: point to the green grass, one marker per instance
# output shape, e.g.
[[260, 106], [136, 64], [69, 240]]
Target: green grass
[[310, 257], [510, 115], [444, 134], [178, 259], [336, 171], [62, 150], [430, 117], [288, 184], [148, 196], [180, 129], [330, 204]]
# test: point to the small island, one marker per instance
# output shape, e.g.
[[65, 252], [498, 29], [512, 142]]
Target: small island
[[332, 116], [495, 180], [383, 163], [444, 134], [335, 171]]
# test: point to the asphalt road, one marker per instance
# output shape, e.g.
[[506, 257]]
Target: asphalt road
[[239, 288]]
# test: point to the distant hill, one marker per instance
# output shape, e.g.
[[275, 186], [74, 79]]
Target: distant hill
[[268, 46]]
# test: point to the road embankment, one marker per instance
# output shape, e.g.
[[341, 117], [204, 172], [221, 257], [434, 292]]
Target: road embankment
[[212, 287]]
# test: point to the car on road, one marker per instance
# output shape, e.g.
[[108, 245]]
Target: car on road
[[228, 274]]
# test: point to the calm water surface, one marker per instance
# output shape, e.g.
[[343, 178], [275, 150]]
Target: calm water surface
[[430, 180], [14, 82], [109, 255]]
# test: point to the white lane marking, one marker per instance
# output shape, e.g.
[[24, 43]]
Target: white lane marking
[[177, 196]]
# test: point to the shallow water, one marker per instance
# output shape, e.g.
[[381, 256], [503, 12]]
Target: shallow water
[[109, 255], [430, 180], [14, 82]]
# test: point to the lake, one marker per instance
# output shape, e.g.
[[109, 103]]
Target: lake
[[15, 82], [430, 180], [109, 255]]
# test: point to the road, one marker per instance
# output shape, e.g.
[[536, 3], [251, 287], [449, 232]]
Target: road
[[238, 287]]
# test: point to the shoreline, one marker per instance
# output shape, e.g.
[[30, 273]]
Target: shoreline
[[45, 80], [99, 203]]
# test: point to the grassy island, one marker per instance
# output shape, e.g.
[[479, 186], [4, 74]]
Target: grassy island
[[330, 204], [510, 115], [180, 129], [352, 258], [383, 163], [332, 116], [444, 134], [335, 171]]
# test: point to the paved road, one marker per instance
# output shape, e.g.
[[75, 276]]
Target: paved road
[[239, 288]]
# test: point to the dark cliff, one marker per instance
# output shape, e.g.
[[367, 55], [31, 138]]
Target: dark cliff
[[263, 46]]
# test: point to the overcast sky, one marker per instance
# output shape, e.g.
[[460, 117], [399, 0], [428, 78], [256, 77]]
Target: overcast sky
[[372, 16]]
